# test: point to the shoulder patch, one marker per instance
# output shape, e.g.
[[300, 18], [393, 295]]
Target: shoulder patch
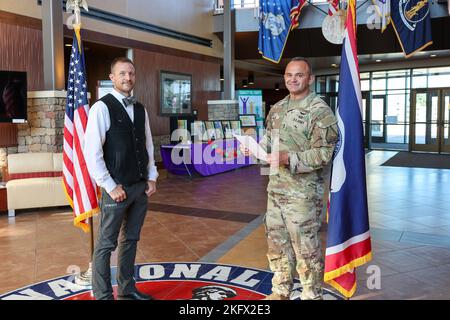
[[325, 117]]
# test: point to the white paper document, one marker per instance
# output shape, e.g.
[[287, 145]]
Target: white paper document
[[253, 146]]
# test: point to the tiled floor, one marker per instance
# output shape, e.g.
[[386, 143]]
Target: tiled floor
[[218, 219]]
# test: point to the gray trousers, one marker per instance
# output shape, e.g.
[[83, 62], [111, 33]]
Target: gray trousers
[[127, 218]]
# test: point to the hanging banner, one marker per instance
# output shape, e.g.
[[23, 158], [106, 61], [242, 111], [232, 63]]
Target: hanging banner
[[412, 24]]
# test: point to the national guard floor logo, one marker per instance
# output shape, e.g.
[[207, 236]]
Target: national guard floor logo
[[172, 281]]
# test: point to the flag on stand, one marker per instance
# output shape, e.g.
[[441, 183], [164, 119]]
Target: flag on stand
[[412, 25], [333, 7], [80, 188], [275, 24], [348, 239], [296, 9], [383, 8]]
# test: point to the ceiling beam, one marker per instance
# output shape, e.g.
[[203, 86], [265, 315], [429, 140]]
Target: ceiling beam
[[269, 70]]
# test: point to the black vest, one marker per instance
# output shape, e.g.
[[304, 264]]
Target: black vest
[[124, 150]]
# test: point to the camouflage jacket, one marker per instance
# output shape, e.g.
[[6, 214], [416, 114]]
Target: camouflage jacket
[[307, 129]]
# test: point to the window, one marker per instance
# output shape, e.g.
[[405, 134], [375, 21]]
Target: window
[[439, 77]]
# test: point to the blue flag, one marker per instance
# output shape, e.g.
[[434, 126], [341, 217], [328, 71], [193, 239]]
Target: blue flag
[[412, 24], [274, 27], [348, 236]]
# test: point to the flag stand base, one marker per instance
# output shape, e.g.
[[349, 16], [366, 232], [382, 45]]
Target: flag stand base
[[84, 278]]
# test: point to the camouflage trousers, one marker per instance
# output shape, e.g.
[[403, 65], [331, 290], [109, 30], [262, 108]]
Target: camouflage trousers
[[292, 231]]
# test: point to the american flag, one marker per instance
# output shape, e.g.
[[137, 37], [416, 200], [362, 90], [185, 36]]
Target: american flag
[[79, 186], [348, 235], [296, 9], [333, 6]]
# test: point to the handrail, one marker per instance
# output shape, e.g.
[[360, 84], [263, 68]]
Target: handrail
[[236, 4], [246, 4]]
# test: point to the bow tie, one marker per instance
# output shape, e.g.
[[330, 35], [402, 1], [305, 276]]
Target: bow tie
[[129, 100]]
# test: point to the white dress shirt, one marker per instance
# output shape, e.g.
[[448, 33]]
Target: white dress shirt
[[98, 124]]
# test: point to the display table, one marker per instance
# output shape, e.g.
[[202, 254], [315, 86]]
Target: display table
[[205, 158]]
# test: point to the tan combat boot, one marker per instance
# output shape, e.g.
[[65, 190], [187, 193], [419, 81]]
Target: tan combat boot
[[276, 296]]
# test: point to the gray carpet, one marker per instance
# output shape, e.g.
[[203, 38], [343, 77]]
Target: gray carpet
[[419, 160]]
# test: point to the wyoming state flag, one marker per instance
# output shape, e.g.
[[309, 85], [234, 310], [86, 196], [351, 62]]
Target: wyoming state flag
[[412, 24], [348, 236]]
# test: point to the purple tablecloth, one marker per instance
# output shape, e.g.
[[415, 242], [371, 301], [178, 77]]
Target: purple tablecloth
[[206, 159], [181, 168]]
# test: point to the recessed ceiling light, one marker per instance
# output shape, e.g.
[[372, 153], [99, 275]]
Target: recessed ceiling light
[[68, 45], [378, 60]]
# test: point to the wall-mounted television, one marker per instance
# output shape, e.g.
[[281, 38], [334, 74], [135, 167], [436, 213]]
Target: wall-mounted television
[[13, 96]]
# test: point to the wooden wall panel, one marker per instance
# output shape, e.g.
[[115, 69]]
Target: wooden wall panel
[[21, 50], [205, 84], [8, 135]]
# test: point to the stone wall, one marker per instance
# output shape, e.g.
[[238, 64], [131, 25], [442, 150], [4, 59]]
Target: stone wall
[[3, 154], [45, 127], [223, 110]]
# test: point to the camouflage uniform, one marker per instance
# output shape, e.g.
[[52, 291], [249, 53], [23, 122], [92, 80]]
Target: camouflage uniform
[[308, 131]]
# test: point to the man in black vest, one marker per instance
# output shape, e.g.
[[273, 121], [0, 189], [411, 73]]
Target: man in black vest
[[119, 154]]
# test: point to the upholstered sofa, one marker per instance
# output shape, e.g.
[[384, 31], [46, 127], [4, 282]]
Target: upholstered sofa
[[34, 181]]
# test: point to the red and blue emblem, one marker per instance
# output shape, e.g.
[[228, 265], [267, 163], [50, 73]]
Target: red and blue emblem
[[171, 281]]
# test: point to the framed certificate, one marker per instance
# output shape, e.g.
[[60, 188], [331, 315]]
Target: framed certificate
[[210, 131], [236, 127], [199, 130], [226, 125], [248, 120], [184, 133], [219, 129]]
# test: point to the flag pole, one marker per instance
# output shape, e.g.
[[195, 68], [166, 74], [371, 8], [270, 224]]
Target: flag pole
[[84, 278], [91, 223]]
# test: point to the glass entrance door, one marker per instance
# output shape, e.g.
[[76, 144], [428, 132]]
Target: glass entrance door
[[365, 96], [430, 111], [377, 117], [445, 121]]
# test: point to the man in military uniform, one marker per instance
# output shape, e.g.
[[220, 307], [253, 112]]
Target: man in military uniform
[[300, 139]]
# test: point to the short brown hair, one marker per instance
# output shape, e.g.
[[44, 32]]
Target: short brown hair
[[305, 61], [120, 59]]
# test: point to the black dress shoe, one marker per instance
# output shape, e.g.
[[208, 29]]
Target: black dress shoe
[[135, 296]]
